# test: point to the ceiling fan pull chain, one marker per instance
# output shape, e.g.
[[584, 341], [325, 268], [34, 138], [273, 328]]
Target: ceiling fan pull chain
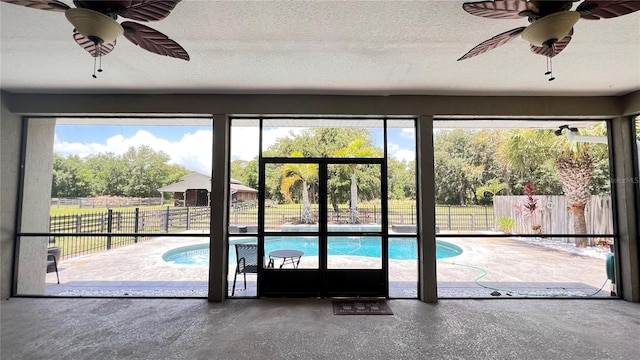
[[100, 55], [550, 64], [94, 68], [550, 68]]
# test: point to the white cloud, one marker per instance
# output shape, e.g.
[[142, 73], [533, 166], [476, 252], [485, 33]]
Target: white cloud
[[404, 154], [400, 153], [408, 133], [244, 140], [192, 151]]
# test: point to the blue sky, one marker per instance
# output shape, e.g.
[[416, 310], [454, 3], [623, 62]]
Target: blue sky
[[190, 146]]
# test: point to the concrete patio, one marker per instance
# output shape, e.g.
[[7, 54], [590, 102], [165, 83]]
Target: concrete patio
[[487, 267]]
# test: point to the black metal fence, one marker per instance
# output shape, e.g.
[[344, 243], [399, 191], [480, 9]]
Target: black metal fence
[[148, 220], [457, 218], [163, 220], [471, 218]]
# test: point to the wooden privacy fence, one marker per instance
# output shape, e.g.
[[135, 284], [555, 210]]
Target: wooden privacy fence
[[553, 214]]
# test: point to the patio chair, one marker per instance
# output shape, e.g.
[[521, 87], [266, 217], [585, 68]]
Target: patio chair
[[246, 262], [53, 254]]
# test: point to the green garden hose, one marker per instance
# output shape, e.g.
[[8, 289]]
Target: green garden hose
[[484, 273]]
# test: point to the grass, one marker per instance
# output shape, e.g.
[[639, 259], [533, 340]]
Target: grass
[[75, 210]]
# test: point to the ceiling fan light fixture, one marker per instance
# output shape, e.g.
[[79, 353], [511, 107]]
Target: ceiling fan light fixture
[[551, 27], [94, 25]]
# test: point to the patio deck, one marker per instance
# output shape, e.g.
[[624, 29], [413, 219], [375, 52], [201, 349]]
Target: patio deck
[[510, 267]]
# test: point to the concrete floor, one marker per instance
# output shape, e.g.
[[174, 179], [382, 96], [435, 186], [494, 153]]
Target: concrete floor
[[59, 328]]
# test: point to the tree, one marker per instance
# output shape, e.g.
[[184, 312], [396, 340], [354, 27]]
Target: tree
[[493, 187], [575, 167], [71, 177], [147, 171], [245, 171], [464, 160], [401, 179], [358, 148], [293, 173], [137, 173], [110, 174], [526, 151], [318, 142], [322, 143]]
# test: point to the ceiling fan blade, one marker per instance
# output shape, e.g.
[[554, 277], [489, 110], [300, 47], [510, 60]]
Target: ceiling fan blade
[[91, 47], [153, 40], [493, 43], [500, 9], [51, 5], [150, 10], [557, 47], [118, 7], [597, 9]]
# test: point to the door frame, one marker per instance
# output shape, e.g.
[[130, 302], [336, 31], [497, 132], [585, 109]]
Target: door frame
[[323, 282]]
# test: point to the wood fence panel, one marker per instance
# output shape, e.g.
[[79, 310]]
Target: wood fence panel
[[554, 215]]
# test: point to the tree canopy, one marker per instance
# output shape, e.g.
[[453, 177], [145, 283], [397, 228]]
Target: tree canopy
[[139, 172], [465, 160]]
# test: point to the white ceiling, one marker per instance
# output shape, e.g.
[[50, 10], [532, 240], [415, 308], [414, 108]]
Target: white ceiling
[[320, 47]]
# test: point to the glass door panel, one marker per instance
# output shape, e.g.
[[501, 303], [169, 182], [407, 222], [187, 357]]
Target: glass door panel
[[356, 247], [354, 252], [291, 197], [354, 197], [291, 252]]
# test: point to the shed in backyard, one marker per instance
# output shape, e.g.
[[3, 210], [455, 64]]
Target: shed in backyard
[[195, 190]]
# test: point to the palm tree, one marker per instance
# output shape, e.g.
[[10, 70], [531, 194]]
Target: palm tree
[[358, 148], [575, 167], [492, 187], [299, 173], [525, 150]]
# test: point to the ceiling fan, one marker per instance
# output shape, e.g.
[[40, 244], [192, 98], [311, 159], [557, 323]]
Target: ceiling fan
[[551, 22], [96, 28]]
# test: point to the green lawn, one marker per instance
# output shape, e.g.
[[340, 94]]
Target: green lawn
[[75, 210]]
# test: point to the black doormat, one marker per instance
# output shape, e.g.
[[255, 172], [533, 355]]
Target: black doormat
[[361, 307]]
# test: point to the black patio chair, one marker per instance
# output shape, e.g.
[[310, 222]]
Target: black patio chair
[[246, 263], [53, 253]]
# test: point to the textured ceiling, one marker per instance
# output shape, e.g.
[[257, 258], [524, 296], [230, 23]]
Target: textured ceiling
[[314, 47]]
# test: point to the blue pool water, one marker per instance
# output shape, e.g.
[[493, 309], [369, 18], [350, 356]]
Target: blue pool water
[[399, 249]]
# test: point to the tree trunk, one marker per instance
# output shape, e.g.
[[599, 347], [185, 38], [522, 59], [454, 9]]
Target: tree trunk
[[306, 207], [354, 191], [354, 216], [575, 174], [579, 225], [505, 179]]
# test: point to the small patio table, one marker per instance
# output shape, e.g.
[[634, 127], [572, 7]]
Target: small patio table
[[288, 257]]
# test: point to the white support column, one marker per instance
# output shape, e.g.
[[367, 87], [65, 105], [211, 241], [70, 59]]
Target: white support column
[[10, 133], [626, 185], [219, 199], [36, 201], [427, 286]]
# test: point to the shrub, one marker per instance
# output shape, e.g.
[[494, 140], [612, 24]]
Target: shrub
[[505, 224]]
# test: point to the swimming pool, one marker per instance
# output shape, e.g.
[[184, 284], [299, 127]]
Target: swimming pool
[[399, 249]]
